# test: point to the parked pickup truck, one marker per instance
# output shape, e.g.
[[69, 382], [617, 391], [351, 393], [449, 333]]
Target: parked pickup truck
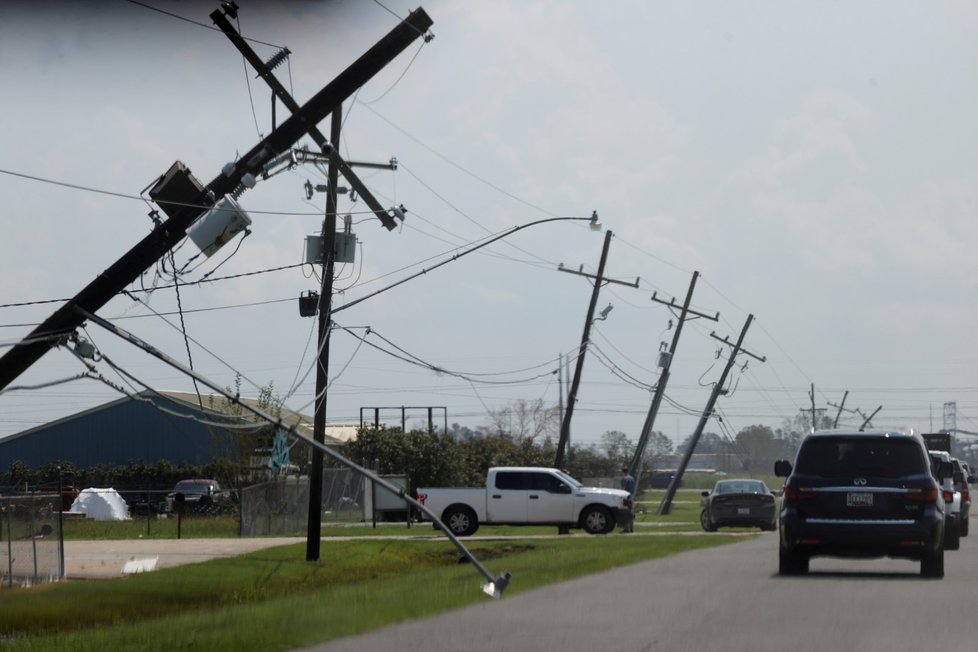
[[522, 495]]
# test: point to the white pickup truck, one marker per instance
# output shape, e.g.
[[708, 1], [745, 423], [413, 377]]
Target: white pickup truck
[[522, 495]]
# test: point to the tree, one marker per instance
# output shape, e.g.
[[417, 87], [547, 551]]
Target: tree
[[758, 446], [525, 420], [617, 447]]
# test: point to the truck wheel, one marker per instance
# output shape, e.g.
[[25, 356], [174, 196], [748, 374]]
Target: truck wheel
[[596, 519], [461, 520]]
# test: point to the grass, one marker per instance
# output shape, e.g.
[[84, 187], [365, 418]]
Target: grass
[[274, 600]]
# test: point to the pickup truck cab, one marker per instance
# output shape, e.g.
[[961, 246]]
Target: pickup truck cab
[[525, 495]]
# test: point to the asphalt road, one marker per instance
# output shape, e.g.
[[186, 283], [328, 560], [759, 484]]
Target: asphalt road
[[728, 598]]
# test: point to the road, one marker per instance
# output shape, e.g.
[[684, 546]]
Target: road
[[728, 598]]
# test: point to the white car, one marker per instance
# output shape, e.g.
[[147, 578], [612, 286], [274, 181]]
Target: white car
[[952, 501]]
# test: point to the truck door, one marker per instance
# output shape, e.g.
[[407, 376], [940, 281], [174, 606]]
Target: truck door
[[508, 498], [549, 500]]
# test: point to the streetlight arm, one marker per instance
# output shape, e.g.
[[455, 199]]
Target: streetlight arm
[[592, 220]]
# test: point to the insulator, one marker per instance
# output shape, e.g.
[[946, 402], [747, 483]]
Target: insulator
[[278, 58]]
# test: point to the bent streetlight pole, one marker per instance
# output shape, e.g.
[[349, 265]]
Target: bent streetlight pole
[[498, 583], [151, 248], [594, 225]]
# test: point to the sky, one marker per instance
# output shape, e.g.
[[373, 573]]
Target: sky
[[814, 162]]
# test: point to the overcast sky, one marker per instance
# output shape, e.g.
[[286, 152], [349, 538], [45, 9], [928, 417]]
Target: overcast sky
[[816, 162]]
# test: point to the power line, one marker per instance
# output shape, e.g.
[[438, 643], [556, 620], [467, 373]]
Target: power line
[[194, 22]]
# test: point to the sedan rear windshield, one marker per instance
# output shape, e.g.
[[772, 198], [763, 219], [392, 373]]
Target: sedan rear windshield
[[839, 457]]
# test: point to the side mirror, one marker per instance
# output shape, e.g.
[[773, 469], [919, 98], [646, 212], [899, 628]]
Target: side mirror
[[971, 479], [782, 468], [705, 493], [563, 489]]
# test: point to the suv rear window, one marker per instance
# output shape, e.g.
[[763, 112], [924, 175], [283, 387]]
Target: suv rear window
[[881, 457]]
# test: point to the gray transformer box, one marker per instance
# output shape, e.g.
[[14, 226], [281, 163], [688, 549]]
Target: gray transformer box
[[344, 248]]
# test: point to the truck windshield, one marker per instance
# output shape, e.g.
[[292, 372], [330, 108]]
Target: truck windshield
[[571, 482]]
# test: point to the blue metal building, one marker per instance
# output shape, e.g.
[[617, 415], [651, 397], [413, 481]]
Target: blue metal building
[[148, 428]]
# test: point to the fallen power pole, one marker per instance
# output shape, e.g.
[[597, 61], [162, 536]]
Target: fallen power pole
[[494, 585], [665, 507], [182, 214]]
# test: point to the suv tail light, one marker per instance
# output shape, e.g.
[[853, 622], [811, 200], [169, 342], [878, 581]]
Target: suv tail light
[[925, 494], [793, 494], [965, 492]]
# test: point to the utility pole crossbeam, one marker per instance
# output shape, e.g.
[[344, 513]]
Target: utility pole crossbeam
[[665, 507], [580, 272], [635, 468], [329, 148], [585, 338], [168, 234]]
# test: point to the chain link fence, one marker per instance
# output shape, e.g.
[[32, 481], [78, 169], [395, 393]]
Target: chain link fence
[[30, 539], [281, 506]]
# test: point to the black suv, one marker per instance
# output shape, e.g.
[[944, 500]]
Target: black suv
[[861, 494]]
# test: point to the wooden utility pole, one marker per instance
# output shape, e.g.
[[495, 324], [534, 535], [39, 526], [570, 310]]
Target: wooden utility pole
[[635, 468], [585, 337], [169, 233], [336, 166], [314, 522], [665, 507], [841, 406], [599, 280]]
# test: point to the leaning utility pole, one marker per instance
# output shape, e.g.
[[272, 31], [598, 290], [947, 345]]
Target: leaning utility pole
[[585, 338], [841, 406], [665, 507], [191, 206], [599, 280], [665, 361]]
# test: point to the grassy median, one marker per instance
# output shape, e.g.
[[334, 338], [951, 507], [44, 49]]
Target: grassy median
[[275, 600]]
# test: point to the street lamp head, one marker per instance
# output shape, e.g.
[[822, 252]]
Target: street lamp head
[[604, 313], [595, 224]]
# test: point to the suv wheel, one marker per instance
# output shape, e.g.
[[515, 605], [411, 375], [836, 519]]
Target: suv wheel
[[932, 564], [791, 562]]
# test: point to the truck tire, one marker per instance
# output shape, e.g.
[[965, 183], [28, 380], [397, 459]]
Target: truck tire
[[596, 519], [461, 520]]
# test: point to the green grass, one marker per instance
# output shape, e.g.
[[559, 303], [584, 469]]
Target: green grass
[[275, 600]]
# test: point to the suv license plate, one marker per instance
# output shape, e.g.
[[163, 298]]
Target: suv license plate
[[859, 500], [743, 511]]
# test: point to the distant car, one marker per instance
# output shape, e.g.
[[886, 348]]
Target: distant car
[[962, 483], [198, 496], [861, 495], [738, 503]]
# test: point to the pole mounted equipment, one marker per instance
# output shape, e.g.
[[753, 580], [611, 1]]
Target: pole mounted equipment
[[265, 72]]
